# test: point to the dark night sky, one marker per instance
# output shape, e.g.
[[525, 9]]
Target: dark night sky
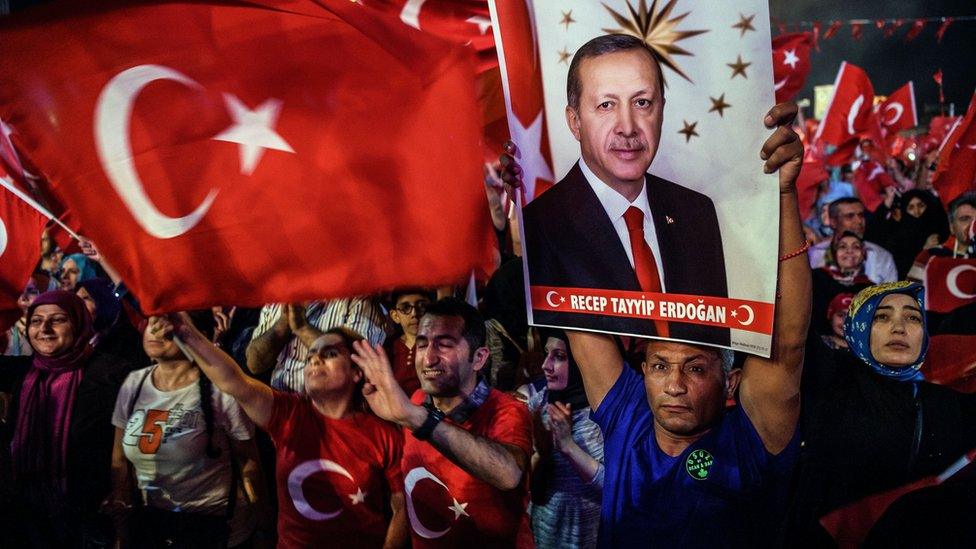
[[891, 62]]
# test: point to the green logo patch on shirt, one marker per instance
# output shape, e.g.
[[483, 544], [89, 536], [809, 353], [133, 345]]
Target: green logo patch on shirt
[[698, 464]]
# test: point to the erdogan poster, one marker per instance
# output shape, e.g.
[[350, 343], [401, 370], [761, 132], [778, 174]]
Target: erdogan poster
[[645, 209]]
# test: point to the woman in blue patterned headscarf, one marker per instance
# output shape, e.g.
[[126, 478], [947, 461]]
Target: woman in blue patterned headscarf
[[886, 329], [870, 420]]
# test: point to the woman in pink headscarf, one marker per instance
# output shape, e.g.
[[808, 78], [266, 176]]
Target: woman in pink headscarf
[[62, 437]]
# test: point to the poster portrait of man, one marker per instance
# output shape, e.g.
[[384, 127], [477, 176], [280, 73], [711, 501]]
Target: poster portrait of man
[[654, 224]]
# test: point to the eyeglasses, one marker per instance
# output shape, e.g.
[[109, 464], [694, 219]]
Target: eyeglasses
[[408, 308]]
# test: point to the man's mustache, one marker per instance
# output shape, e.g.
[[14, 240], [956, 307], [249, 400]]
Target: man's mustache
[[631, 144]]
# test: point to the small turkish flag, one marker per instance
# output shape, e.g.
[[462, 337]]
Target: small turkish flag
[[956, 166], [20, 248], [870, 181], [850, 114], [898, 113], [250, 153], [949, 283], [518, 56], [791, 63]]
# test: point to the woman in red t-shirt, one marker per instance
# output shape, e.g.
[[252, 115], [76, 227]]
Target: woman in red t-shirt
[[338, 466]]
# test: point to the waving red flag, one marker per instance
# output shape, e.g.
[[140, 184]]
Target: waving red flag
[[956, 166], [870, 181], [850, 114], [20, 248], [950, 283], [898, 113], [256, 152], [791, 63]]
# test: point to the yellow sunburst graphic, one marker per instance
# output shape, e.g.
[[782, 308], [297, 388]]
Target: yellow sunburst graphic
[[656, 30]]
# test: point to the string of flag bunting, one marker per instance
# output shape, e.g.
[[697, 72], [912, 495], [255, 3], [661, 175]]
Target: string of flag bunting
[[888, 26]]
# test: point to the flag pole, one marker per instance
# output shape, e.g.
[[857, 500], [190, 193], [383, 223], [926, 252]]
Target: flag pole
[[34, 204]]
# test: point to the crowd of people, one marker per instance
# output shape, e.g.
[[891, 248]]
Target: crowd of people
[[414, 418]]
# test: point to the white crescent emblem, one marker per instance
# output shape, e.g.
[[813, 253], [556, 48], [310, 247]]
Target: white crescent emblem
[[852, 114], [549, 298], [297, 477], [3, 238], [952, 281], [899, 110], [113, 112], [780, 84], [752, 316], [410, 14], [413, 477]]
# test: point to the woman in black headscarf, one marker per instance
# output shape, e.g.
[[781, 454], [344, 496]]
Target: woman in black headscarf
[[904, 228], [114, 333], [567, 475]]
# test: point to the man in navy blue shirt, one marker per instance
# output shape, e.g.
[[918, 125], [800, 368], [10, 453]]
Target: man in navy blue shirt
[[681, 471]]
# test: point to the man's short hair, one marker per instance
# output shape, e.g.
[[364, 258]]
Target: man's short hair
[[473, 329], [602, 45], [965, 199], [834, 209]]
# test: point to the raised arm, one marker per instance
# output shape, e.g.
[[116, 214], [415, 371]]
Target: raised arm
[[770, 388], [263, 350], [599, 361], [254, 397], [498, 464]]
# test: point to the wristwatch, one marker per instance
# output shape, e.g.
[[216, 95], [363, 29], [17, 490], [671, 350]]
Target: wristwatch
[[434, 416]]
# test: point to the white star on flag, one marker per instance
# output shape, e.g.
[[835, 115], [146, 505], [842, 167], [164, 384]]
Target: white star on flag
[[790, 58], [483, 22], [459, 509], [253, 130], [529, 141], [358, 497]]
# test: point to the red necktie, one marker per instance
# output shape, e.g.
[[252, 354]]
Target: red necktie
[[644, 264]]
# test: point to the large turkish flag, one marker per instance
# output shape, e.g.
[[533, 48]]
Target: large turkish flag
[[897, 112], [243, 153], [791, 63]]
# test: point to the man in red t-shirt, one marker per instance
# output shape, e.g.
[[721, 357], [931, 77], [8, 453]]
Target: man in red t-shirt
[[466, 446], [338, 466]]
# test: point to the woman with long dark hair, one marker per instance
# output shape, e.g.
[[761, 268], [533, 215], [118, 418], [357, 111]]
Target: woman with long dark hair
[[185, 444]]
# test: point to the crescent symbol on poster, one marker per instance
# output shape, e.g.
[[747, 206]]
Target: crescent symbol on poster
[[413, 477], [113, 114], [752, 315], [852, 114], [549, 298], [780, 84], [297, 477], [3, 238], [898, 108], [952, 281]]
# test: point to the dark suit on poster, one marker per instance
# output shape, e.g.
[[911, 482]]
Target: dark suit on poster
[[571, 242]]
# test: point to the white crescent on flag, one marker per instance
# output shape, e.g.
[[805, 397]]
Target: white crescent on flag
[[952, 281], [297, 477]]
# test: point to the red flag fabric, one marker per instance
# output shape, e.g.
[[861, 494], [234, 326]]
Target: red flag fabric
[[831, 30], [870, 181], [897, 112], [915, 30], [951, 361], [812, 173], [253, 153], [467, 23], [942, 29], [937, 76], [20, 248], [791, 64], [522, 75], [850, 114], [949, 283], [856, 30], [939, 127], [956, 166]]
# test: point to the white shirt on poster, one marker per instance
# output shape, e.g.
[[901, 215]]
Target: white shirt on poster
[[615, 206]]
